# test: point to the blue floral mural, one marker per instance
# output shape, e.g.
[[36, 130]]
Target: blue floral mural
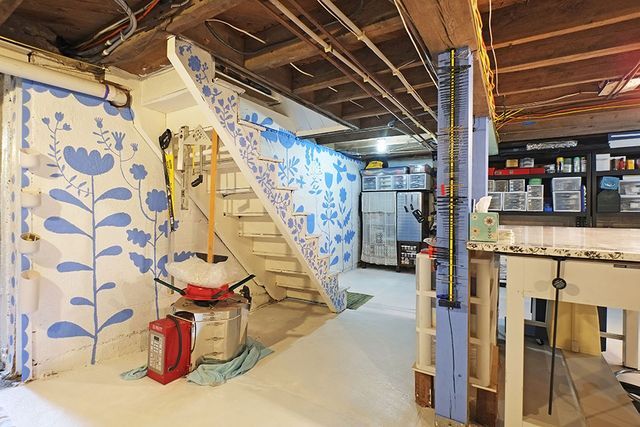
[[80, 169], [154, 208], [307, 179]]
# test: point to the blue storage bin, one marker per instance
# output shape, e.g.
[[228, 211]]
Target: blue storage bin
[[609, 183]]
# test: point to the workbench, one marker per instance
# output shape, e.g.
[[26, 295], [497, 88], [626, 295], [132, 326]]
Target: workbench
[[601, 267]]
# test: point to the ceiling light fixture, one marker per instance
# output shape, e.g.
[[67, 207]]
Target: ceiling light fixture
[[381, 146]]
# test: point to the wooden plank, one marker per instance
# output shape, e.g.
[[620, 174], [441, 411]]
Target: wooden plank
[[353, 92], [592, 43], [153, 39], [602, 399], [424, 391], [446, 24], [575, 125], [299, 50], [585, 71], [212, 196], [537, 20], [326, 75], [7, 7]]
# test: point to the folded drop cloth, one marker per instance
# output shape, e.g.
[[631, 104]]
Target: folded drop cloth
[[214, 373]]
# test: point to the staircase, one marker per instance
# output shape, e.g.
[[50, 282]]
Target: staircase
[[254, 213]]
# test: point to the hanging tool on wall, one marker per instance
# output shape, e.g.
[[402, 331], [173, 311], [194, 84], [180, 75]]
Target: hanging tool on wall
[[167, 161], [558, 283], [212, 195]]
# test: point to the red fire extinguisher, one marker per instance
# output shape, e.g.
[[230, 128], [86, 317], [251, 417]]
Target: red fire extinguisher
[[169, 349]]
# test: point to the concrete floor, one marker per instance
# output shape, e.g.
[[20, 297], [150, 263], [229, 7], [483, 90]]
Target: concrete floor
[[348, 370]]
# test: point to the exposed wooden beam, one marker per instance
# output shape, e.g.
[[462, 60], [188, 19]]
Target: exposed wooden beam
[[352, 92], [154, 39], [574, 125], [567, 94], [7, 7], [446, 24], [592, 43], [591, 70], [299, 50], [357, 135], [537, 20], [328, 76], [483, 5]]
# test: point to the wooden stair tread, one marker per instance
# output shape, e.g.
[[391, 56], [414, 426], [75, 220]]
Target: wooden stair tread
[[269, 159], [246, 214], [273, 254], [259, 235], [296, 287], [284, 271]]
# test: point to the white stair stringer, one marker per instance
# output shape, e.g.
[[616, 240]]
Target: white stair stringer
[[219, 102]]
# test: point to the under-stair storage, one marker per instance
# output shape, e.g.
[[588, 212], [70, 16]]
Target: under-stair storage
[[285, 207]]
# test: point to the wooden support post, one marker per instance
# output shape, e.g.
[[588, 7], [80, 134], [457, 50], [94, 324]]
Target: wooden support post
[[424, 389], [487, 400], [212, 195]]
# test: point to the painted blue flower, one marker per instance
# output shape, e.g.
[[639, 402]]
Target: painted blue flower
[[98, 122], [88, 163], [343, 195], [286, 140], [138, 171], [118, 137], [59, 116], [206, 90], [138, 237], [46, 120], [157, 201], [134, 147], [66, 127], [349, 235], [194, 63]]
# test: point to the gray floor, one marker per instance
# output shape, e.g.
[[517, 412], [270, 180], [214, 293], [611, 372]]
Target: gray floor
[[353, 369]]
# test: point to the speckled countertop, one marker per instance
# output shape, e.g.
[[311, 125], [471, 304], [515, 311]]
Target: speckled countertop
[[622, 244]]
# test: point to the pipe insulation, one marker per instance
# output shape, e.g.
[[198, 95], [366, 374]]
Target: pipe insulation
[[109, 92]]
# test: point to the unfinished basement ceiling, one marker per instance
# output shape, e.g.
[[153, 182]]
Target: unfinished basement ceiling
[[552, 56]]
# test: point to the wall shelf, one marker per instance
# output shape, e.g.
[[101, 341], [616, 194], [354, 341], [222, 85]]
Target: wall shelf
[[534, 213], [543, 176], [618, 173]]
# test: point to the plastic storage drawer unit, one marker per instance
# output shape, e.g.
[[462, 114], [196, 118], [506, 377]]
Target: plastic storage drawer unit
[[535, 191], [566, 184], [515, 201], [629, 188], [629, 204], [501, 186], [517, 185], [496, 201], [567, 201], [535, 204]]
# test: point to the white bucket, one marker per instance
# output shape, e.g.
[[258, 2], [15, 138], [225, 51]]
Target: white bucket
[[29, 291], [30, 199], [29, 243], [29, 158]]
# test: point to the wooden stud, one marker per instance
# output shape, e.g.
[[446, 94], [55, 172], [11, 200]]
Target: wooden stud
[[212, 195], [424, 389]]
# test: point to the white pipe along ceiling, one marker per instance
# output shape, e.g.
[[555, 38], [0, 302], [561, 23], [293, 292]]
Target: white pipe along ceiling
[[109, 92]]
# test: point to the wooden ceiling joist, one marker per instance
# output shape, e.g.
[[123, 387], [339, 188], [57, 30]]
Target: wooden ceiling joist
[[592, 43], [446, 24], [332, 77], [7, 7], [538, 20], [153, 40], [574, 125], [569, 74], [300, 50]]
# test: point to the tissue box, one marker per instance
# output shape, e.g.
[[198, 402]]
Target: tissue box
[[483, 226]]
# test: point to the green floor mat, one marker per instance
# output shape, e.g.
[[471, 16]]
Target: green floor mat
[[356, 300]]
